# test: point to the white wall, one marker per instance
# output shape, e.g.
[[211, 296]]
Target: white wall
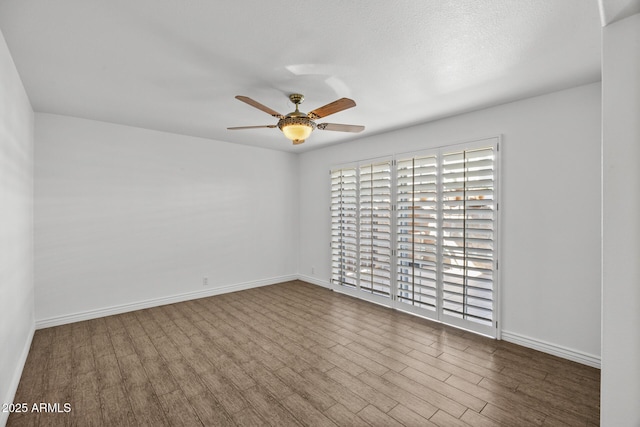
[[550, 207], [621, 227], [16, 227], [126, 215]]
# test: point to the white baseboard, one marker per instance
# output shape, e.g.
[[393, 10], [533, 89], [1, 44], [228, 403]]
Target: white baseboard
[[154, 302], [17, 374], [554, 349], [314, 281]]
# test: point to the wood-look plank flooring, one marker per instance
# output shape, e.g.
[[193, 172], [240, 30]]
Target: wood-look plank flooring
[[294, 354]]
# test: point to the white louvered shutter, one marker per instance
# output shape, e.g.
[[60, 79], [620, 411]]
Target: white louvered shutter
[[375, 228], [435, 255], [417, 231], [468, 234], [344, 243]]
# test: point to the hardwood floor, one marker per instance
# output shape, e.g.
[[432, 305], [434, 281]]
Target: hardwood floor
[[294, 354]]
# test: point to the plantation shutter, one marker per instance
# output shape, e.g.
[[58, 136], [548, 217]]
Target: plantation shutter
[[344, 243], [468, 234], [420, 233], [417, 231], [375, 228]]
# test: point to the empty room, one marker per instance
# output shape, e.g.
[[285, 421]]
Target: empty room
[[281, 213]]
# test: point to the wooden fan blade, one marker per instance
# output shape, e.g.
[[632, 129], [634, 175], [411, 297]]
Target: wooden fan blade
[[259, 106], [332, 108], [252, 127], [340, 128]]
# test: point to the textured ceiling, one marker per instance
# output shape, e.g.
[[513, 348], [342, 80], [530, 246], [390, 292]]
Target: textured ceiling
[[176, 65]]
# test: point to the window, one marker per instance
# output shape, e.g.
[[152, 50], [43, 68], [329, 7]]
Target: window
[[418, 232]]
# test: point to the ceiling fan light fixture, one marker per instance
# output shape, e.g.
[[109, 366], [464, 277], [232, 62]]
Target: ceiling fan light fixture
[[297, 129]]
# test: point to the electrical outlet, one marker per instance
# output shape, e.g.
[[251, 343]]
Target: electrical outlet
[[205, 281], [313, 270]]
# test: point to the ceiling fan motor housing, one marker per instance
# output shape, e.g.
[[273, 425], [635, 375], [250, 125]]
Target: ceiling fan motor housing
[[295, 120]]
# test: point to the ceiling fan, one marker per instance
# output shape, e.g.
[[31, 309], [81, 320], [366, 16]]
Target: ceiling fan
[[297, 126]]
